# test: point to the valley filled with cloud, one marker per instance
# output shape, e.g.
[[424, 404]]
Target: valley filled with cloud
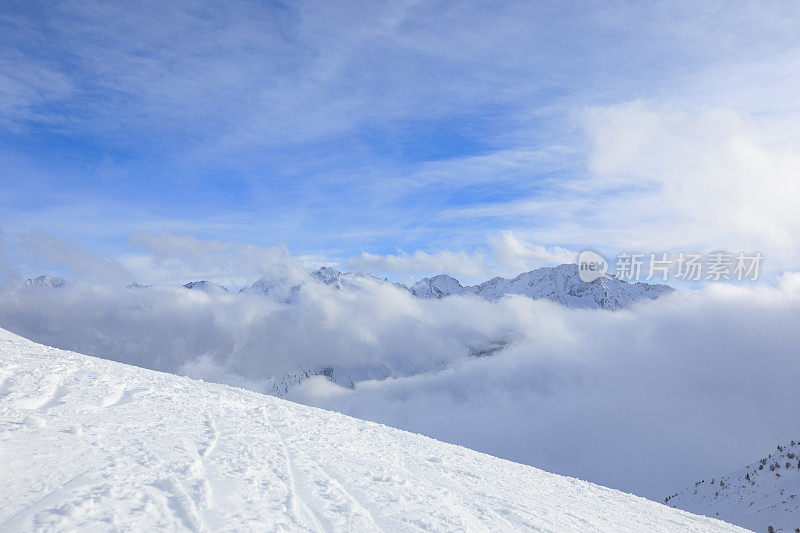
[[642, 399], [380, 209]]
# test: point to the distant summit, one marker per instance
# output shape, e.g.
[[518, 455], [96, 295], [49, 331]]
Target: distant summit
[[288, 290], [207, 286], [437, 287], [47, 282], [560, 284]]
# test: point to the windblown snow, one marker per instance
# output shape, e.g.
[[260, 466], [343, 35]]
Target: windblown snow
[[87, 443]]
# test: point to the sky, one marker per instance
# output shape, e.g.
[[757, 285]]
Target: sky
[[404, 138], [165, 142]]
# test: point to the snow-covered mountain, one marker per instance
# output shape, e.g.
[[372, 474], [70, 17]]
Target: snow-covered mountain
[[560, 284], [438, 287], [208, 286], [326, 275], [91, 444], [288, 290], [280, 290], [762, 494], [47, 282]]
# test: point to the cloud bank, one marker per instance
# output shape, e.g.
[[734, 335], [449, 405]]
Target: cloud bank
[[646, 399]]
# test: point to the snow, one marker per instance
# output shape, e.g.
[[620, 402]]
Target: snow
[[437, 287], [559, 284], [762, 494], [208, 286], [46, 281], [91, 444], [287, 289]]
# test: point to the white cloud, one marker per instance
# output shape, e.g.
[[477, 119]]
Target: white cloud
[[511, 252], [509, 255], [58, 253], [646, 400], [707, 179], [170, 258], [27, 82], [421, 262], [665, 177]]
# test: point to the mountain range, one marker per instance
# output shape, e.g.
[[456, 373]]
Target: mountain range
[[560, 284]]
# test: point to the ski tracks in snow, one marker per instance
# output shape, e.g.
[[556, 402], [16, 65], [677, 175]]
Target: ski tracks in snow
[[319, 501], [89, 444]]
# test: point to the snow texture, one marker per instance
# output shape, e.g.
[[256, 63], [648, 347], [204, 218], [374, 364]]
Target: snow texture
[[90, 444]]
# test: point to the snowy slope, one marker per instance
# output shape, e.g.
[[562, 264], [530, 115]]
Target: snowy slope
[[87, 443], [762, 494]]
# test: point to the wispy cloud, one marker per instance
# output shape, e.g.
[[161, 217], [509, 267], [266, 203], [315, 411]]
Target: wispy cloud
[[422, 262], [169, 258], [504, 254], [404, 125], [58, 255], [513, 253]]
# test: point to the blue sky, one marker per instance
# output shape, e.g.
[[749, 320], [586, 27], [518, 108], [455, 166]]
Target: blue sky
[[393, 128]]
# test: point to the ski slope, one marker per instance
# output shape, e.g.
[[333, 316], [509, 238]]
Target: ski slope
[[90, 444]]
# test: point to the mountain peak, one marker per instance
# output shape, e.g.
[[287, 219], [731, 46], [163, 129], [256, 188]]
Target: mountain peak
[[560, 284], [46, 281], [438, 286], [208, 286]]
